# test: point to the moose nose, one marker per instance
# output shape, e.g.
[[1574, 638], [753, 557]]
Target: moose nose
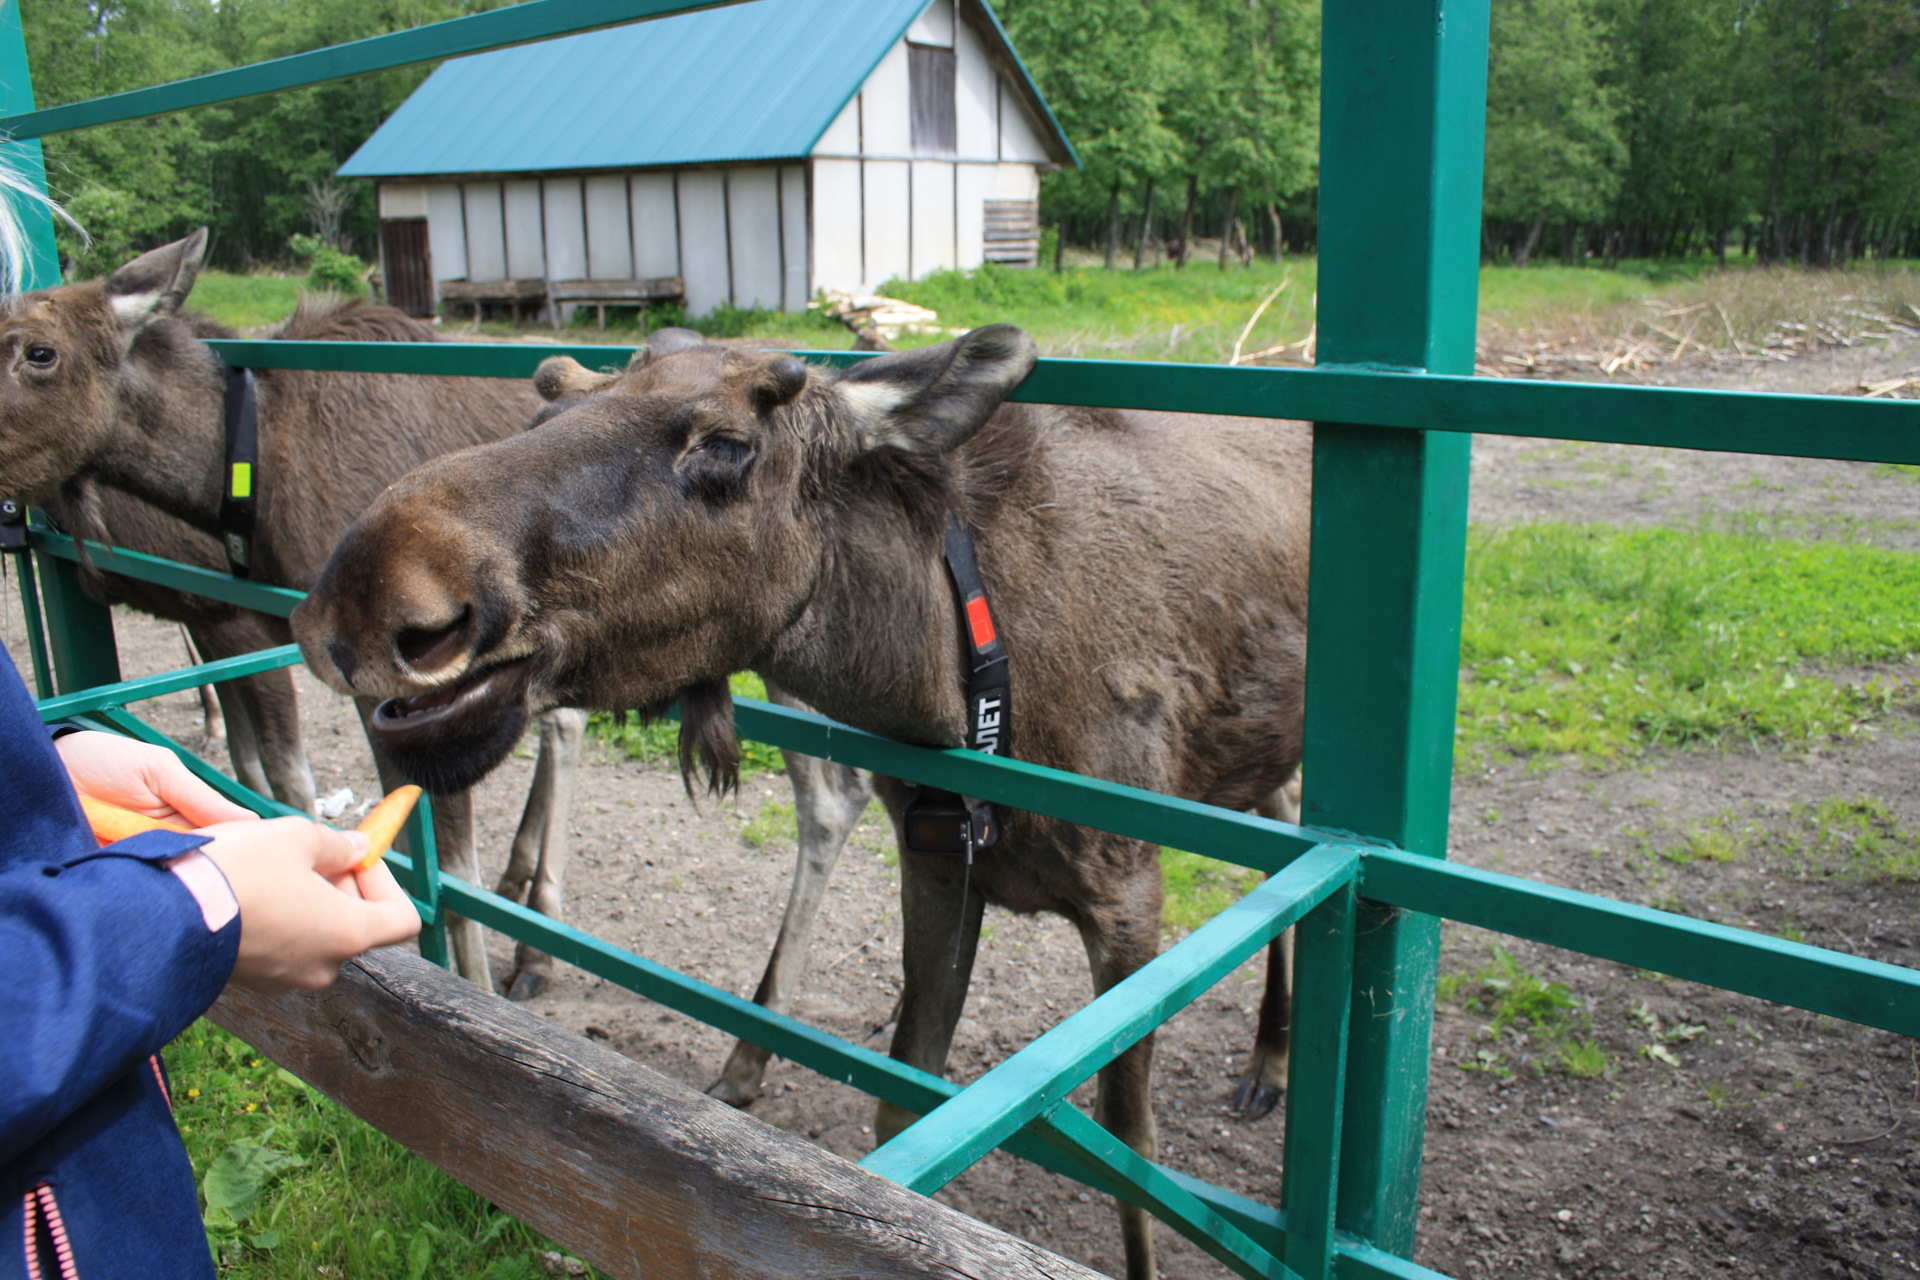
[[345, 657], [427, 649]]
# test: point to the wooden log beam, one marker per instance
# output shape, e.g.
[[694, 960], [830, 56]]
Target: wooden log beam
[[632, 1171]]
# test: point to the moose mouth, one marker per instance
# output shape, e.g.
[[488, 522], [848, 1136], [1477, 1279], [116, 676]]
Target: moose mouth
[[449, 739]]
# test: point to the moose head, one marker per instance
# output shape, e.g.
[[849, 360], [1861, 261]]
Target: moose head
[[657, 529]]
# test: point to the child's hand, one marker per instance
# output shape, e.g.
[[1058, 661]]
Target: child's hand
[[302, 910], [143, 778]]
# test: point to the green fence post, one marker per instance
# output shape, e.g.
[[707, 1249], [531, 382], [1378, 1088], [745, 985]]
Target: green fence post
[[418, 838], [1403, 117]]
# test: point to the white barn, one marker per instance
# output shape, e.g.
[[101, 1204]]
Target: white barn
[[749, 155]]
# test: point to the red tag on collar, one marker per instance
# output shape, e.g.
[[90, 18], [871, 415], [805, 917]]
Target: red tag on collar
[[980, 622]]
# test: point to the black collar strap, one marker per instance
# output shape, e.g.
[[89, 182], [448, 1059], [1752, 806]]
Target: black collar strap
[[242, 475], [940, 822]]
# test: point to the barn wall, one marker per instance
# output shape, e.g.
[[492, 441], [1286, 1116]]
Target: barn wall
[[1020, 135], [753, 236], [656, 226], [934, 25], [526, 259], [887, 220], [974, 185], [447, 231], [486, 232], [976, 98], [609, 228], [703, 239], [886, 119], [565, 227], [933, 217], [796, 239], [839, 260]]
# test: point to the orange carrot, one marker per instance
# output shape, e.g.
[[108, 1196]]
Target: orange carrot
[[110, 822], [382, 824]]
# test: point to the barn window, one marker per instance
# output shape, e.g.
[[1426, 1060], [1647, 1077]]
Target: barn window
[[930, 75]]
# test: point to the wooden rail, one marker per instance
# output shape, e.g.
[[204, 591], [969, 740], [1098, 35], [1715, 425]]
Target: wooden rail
[[632, 1171]]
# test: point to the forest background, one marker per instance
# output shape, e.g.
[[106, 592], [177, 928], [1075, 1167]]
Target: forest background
[[1784, 129]]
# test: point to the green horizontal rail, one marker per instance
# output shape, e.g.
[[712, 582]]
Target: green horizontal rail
[[1847, 427], [103, 696], [214, 584], [1165, 1198], [1042, 1143], [1239, 838], [941, 1146], [518, 24], [1830, 982]]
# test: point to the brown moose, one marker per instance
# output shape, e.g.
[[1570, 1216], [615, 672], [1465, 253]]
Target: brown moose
[[111, 415], [711, 510]]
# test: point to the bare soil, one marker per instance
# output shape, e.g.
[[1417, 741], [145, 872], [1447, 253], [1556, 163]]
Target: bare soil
[[1759, 1140]]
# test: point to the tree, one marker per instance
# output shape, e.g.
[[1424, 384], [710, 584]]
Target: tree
[[1553, 145]]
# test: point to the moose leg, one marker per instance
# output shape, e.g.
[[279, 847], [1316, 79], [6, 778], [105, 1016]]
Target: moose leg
[[262, 714], [1120, 937], [543, 828], [1264, 1082], [828, 800], [453, 837], [940, 933]]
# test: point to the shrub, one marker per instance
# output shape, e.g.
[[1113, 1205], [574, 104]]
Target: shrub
[[328, 268]]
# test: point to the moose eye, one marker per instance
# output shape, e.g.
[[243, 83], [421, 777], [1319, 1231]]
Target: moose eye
[[731, 449], [41, 357]]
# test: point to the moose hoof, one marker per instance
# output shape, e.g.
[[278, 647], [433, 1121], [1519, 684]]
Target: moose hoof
[[733, 1094], [1255, 1098], [526, 984]]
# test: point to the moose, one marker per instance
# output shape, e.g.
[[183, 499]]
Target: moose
[[710, 510], [112, 418]]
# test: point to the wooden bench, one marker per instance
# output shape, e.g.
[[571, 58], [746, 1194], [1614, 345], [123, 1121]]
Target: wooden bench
[[601, 294], [478, 293]]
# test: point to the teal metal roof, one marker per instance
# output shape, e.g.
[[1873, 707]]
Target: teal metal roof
[[756, 81]]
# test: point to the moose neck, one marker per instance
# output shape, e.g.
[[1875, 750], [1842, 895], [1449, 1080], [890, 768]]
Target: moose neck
[[170, 445], [877, 645]]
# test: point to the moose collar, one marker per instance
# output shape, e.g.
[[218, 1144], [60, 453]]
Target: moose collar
[[941, 822], [237, 503]]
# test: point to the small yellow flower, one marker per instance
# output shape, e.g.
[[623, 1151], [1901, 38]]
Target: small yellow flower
[[256, 1062], [193, 1093], [253, 1106]]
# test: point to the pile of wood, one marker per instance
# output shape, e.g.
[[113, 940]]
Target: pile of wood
[[1665, 339], [887, 318]]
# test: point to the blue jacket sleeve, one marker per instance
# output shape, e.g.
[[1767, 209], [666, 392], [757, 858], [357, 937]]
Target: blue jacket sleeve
[[109, 958]]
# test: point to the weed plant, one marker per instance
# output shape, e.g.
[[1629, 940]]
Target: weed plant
[[292, 1184], [1856, 837], [1523, 1012], [1602, 642]]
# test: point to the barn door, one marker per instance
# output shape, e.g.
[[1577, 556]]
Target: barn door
[[406, 266]]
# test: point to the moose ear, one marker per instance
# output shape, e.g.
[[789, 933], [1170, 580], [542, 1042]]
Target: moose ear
[[933, 399], [156, 283], [564, 376], [664, 342]]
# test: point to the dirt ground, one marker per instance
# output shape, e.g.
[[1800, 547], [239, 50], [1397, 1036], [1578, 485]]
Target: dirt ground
[[1715, 1134]]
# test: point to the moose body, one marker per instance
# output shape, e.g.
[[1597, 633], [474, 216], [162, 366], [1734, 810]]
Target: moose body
[[710, 510], [112, 416]]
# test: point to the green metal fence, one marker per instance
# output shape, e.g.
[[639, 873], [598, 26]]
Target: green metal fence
[[1403, 103]]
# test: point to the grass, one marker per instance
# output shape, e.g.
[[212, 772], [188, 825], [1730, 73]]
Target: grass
[[244, 301], [1856, 837], [1195, 314], [1603, 642], [1198, 888], [292, 1183]]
